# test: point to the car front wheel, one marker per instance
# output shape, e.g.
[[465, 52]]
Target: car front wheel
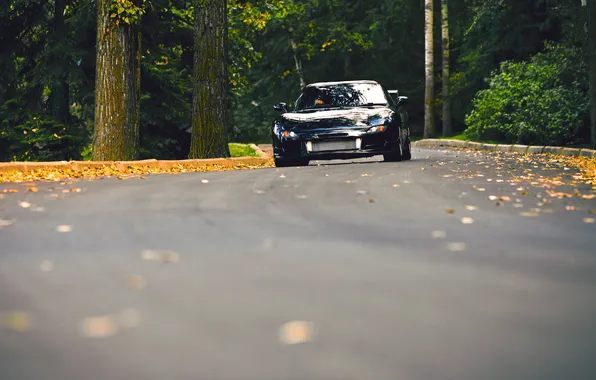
[[393, 156]]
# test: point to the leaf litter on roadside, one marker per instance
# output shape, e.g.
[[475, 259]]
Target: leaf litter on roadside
[[120, 172]]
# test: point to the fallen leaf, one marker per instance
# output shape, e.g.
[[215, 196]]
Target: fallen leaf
[[529, 214], [296, 332], [99, 327], [64, 228], [16, 321], [471, 208], [456, 246], [46, 266], [449, 210], [25, 204], [136, 282], [170, 257], [372, 200], [493, 197], [467, 220], [589, 220], [438, 234], [33, 189], [570, 208], [589, 196], [505, 199], [5, 223]]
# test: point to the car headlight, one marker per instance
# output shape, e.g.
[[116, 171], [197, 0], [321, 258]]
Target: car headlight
[[378, 124], [281, 132], [377, 128]]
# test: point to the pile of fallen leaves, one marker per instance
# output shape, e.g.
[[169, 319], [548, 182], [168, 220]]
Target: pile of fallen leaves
[[125, 172], [586, 165]]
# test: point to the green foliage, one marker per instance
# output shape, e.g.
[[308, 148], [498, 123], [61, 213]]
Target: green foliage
[[242, 150], [41, 63], [126, 11], [539, 101], [36, 138]]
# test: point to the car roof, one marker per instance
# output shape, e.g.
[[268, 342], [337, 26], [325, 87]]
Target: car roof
[[323, 84]]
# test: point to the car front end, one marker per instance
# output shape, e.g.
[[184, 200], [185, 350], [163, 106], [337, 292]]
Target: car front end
[[348, 140]]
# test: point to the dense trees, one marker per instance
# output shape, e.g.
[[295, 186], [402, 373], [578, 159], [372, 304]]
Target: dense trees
[[53, 106], [591, 25]]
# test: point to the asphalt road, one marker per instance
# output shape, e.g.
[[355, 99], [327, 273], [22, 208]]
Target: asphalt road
[[394, 277]]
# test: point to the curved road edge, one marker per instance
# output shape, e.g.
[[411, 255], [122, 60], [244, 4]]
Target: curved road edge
[[511, 148]]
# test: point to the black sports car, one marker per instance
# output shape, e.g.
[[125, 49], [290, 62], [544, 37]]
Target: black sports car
[[342, 120]]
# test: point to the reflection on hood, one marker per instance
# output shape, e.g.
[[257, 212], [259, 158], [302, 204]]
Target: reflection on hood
[[353, 116]]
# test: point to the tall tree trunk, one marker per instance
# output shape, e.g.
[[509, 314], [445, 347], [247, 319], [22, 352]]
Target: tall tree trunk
[[592, 65], [429, 89], [117, 97], [59, 93], [447, 130], [211, 116], [297, 60]]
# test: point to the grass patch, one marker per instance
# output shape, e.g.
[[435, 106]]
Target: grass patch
[[242, 150]]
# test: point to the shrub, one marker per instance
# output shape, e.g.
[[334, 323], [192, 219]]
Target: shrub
[[540, 101]]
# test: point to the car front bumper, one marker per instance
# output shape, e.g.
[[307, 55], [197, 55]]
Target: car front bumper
[[304, 147]]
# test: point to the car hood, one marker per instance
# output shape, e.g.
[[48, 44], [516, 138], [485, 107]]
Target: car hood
[[347, 117]]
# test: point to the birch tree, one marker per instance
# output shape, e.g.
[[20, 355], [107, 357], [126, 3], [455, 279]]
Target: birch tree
[[447, 129], [429, 120]]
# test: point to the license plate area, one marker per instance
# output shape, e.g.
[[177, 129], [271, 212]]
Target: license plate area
[[326, 146]]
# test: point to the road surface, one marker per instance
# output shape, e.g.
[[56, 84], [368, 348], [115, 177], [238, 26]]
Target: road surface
[[436, 268]]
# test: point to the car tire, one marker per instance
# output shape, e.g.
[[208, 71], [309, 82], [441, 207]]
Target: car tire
[[393, 156], [407, 150], [284, 163]]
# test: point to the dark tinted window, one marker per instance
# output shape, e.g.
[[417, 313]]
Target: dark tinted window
[[341, 95]]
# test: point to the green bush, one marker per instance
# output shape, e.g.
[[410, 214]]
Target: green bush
[[37, 137], [541, 101]]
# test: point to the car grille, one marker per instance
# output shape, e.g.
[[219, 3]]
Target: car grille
[[323, 146]]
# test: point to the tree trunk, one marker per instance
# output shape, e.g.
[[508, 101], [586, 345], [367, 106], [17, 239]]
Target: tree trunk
[[211, 116], [117, 97], [429, 103], [297, 61], [59, 93], [447, 130], [592, 65]]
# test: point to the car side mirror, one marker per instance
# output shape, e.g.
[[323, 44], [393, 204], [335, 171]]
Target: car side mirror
[[402, 100], [281, 107]]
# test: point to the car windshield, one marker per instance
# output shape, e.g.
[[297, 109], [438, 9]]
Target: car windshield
[[341, 95]]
